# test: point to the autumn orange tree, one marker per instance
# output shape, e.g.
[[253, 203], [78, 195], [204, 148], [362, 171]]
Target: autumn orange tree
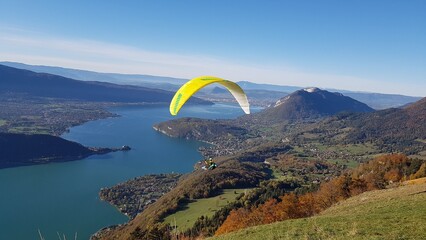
[[376, 174]]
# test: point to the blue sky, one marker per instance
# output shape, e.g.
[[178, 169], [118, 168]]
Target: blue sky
[[376, 46]]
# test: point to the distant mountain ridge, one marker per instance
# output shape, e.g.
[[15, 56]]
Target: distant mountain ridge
[[246, 85], [54, 86], [85, 75], [374, 100]]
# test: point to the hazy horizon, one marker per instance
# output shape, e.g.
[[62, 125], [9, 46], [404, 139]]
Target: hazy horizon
[[357, 46]]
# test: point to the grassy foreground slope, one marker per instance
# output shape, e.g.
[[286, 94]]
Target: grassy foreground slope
[[396, 213]]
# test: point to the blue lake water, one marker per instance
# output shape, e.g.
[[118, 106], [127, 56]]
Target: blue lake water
[[63, 197]]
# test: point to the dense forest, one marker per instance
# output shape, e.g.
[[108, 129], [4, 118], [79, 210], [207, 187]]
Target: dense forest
[[22, 149]]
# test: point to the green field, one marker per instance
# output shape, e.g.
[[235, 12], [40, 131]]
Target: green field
[[350, 155], [186, 217], [279, 176], [353, 149], [346, 162], [397, 213], [31, 129]]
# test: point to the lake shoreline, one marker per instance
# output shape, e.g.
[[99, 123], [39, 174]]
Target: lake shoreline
[[133, 196], [65, 196], [14, 142]]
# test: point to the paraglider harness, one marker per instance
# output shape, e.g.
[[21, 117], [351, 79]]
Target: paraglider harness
[[210, 165]]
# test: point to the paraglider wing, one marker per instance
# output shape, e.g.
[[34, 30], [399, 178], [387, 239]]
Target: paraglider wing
[[193, 85]]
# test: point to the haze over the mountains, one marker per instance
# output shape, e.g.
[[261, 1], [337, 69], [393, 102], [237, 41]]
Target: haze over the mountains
[[254, 90], [15, 80]]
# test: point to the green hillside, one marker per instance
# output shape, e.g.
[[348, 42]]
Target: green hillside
[[186, 217], [396, 213]]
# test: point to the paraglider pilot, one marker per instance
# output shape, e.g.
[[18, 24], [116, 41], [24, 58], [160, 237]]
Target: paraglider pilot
[[209, 164]]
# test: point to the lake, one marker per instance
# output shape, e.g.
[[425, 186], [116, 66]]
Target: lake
[[63, 197]]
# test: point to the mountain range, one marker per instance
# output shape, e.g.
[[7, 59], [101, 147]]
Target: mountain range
[[15, 80], [84, 75], [312, 115], [260, 93], [304, 105]]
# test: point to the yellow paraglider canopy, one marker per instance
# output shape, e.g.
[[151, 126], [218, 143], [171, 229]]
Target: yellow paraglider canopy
[[195, 84]]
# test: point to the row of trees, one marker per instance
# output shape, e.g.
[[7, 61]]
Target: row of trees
[[376, 174]]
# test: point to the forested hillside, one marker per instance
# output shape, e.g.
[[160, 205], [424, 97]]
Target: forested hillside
[[22, 149]]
